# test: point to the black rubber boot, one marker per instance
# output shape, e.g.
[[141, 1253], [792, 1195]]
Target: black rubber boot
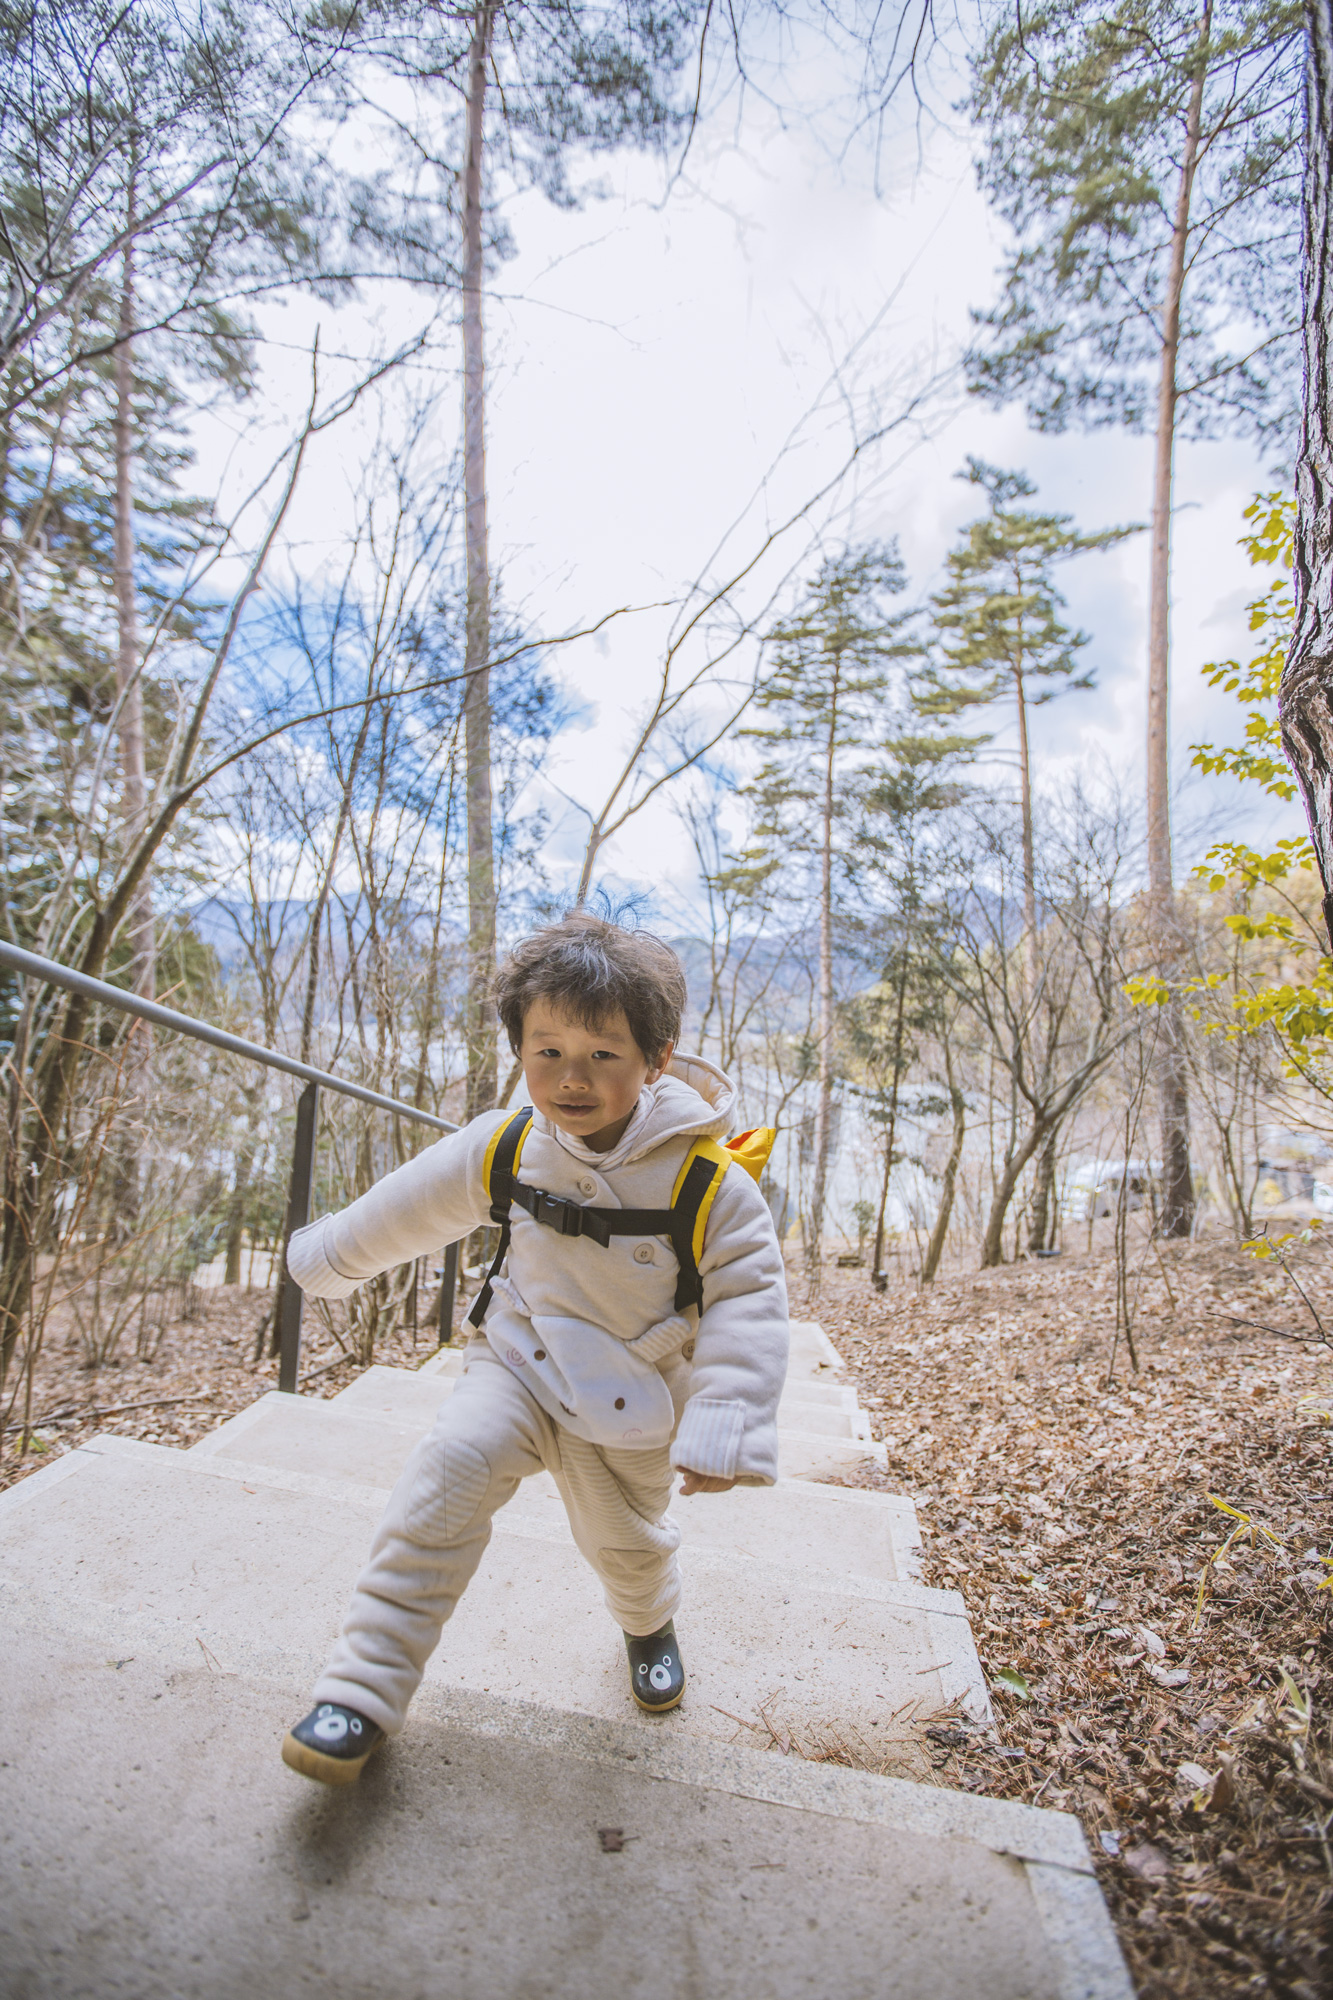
[[656, 1676], [331, 1744]]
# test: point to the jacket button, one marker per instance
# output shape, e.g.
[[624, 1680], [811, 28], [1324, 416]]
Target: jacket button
[[688, 1350], [643, 1253], [620, 1402], [587, 1186], [540, 1355]]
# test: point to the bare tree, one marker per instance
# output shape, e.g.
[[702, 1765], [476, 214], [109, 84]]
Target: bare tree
[[1050, 1041]]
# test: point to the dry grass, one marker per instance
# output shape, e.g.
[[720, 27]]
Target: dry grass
[[1075, 1518]]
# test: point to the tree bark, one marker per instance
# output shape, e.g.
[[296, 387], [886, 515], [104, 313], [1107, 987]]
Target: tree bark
[[824, 1106], [876, 1262], [1306, 700], [930, 1263], [480, 1021], [1040, 1219], [1029, 842], [129, 680], [236, 1207], [1173, 1098], [992, 1243]]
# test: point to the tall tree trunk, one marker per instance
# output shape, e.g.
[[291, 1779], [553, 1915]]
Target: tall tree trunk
[[876, 1262], [1029, 842], [824, 1107], [480, 1021], [1040, 1219], [1173, 1097], [992, 1243], [236, 1206], [125, 1147], [129, 682], [930, 1263], [1307, 679]]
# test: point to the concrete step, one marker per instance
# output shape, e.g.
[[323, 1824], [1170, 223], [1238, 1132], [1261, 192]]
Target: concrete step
[[813, 1355], [806, 1450], [801, 1386], [813, 1358], [152, 1846], [796, 1413], [230, 1549], [367, 1440], [806, 1455]]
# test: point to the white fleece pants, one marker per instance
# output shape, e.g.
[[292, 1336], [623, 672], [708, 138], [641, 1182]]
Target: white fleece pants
[[489, 1435]]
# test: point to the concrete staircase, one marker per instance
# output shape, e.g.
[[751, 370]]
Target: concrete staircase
[[531, 1834]]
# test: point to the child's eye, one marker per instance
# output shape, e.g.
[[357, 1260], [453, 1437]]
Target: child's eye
[[549, 1052], [604, 1055]]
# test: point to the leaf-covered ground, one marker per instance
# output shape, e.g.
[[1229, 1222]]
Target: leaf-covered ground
[[1074, 1515]]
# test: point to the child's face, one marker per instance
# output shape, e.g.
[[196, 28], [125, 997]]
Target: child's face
[[586, 1080]]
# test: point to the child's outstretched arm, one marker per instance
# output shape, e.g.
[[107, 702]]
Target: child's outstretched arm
[[728, 1430], [428, 1202]]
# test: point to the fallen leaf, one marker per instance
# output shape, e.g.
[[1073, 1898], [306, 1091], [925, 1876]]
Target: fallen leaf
[[1010, 1679], [1224, 1787], [1151, 1641], [1167, 1677], [1147, 1861]]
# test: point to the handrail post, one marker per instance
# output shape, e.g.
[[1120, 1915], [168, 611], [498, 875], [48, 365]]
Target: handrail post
[[448, 1290], [298, 1214]]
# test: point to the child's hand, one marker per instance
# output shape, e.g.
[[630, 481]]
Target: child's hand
[[703, 1482]]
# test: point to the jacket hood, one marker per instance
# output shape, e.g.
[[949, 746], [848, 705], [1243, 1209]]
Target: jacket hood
[[691, 1099]]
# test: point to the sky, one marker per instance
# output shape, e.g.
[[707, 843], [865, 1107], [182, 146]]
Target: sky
[[673, 372]]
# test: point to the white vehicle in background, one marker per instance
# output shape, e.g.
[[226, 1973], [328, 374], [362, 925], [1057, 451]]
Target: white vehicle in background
[[1094, 1189]]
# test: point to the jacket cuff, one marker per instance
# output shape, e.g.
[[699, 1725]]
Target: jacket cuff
[[311, 1268], [709, 1438]]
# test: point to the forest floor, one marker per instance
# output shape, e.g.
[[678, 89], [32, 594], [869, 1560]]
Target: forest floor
[[1179, 1700], [1080, 1520]]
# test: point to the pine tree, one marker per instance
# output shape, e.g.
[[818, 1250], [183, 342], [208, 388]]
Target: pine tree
[[1146, 155], [827, 693], [1001, 637], [905, 796]]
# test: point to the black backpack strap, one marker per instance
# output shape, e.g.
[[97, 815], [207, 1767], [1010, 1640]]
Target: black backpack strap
[[683, 1223], [690, 1204], [498, 1176]]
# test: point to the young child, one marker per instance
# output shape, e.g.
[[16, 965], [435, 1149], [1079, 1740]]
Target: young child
[[621, 1337]]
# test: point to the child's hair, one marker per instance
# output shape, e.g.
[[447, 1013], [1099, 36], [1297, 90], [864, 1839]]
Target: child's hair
[[590, 969]]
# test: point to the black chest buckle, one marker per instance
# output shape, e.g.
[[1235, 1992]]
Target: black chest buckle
[[565, 1217]]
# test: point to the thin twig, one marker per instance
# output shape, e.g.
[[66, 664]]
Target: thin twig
[[73, 1412]]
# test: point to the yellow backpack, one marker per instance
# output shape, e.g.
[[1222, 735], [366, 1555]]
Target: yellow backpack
[[684, 1222]]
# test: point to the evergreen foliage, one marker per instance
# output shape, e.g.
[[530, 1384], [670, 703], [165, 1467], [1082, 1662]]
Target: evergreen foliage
[[997, 619], [1084, 110]]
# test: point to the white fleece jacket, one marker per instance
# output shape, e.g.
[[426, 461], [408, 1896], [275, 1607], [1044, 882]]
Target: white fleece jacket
[[567, 1311]]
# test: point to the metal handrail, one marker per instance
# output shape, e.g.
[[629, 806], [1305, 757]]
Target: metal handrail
[[32, 966], [54, 974]]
